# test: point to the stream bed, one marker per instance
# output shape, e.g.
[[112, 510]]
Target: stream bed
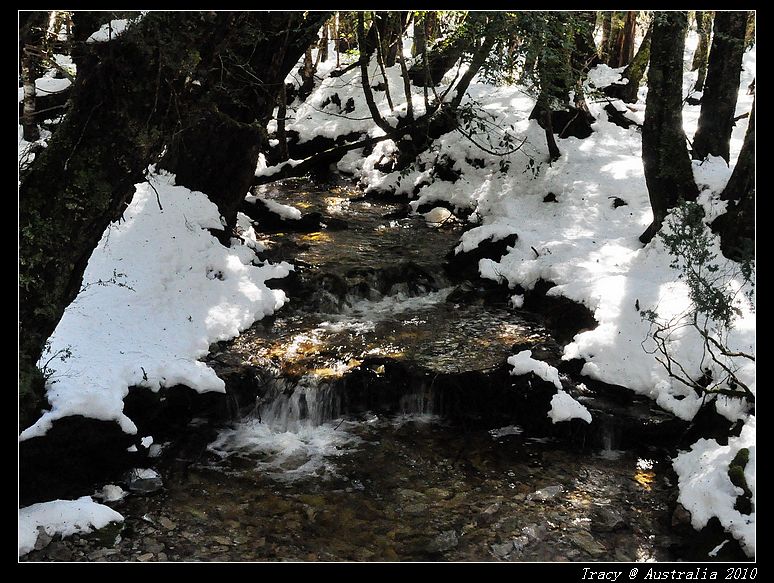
[[382, 428]]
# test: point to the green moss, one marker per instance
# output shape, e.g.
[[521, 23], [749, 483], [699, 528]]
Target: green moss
[[736, 470]]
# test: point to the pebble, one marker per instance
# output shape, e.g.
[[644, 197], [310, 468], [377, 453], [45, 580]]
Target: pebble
[[445, 541], [145, 557], [167, 523], [43, 540]]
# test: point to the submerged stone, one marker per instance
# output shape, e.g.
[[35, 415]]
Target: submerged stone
[[144, 481]]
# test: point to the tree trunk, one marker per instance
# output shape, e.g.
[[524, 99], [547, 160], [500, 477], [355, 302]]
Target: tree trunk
[[737, 225], [129, 98], [224, 135], [419, 44], [668, 172], [718, 104], [366, 82], [584, 54], [624, 49], [604, 54], [86, 176], [32, 29], [282, 113], [634, 72], [617, 24], [749, 34], [445, 54], [479, 57], [704, 28], [323, 50], [337, 40]]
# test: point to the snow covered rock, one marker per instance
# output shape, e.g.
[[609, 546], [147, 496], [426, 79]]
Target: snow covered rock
[[62, 517], [144, 481]]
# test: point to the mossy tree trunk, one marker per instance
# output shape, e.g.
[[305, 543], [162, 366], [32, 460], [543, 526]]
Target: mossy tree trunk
[[718, 104], [704, 30], [217, 148], [737, 225], [445, 54], [32, 28], [617, 24], [634, 72], [605, 41], [131, 95], [668, 172]]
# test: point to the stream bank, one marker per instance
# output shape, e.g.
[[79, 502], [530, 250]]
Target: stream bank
[[374, 418]]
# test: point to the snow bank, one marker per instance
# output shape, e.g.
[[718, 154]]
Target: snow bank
[[62, 517], [523, 363], [564, 408], [158, 290], [283, 210], [707, 491], [109, 31]]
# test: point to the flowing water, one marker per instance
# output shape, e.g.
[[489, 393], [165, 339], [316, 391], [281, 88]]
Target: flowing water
[[382, 430]]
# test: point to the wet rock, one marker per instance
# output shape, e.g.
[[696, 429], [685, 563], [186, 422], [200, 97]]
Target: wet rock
[[43, 540], [153, 546], [145, 557], [681, 517], [101, 554], [605, 519], [445, 541], [416, 509], [510, 524], [334, 224], [143, 481], [546, 493], [464, 265], [587, 543], [167, 523], [504, 550], [535, 532]]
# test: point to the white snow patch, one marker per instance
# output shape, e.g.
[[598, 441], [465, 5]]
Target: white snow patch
[[283, 210], [157, 291], [707, 491], [438, 216], [111, 493], [109, 30], [47, 85], [62, 517], [564, 408], [523, 363]]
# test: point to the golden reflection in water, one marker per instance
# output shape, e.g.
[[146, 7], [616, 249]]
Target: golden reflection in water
[[316, 237], [644, 478]]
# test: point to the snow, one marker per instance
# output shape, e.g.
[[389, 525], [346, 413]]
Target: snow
[[438, 216], [589, 249], [283, 210], [62, 517], [109, 31], [140, 333], [111, 493], [523, 363], [46, 85], [564, 408], [706, 490], [157, 291]]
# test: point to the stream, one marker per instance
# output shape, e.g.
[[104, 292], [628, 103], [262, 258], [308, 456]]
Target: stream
[[385, 426]]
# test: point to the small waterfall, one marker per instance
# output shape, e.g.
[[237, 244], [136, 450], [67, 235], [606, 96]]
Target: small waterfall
[[308, 404], [291, 434], [610, 440]]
